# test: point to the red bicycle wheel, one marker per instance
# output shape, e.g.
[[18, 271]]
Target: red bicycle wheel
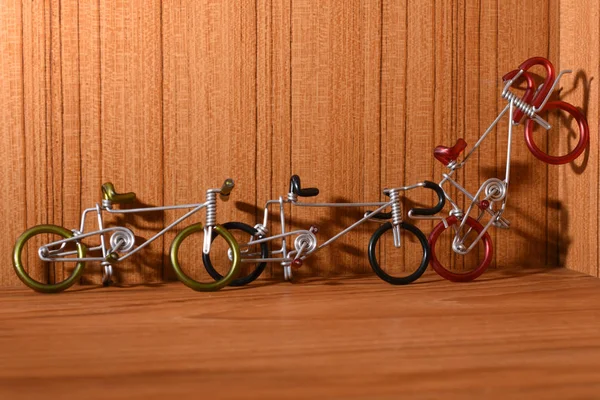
[[584, 135], [460, 276]]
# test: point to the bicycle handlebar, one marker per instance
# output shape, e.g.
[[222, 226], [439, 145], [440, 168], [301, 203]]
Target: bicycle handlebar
[[226, 189], [438, 207]]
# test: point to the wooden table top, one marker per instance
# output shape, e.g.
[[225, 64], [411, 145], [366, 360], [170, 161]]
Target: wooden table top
[[511, 334]]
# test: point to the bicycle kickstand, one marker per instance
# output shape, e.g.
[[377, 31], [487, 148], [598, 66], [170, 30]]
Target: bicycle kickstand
[[107, 274]]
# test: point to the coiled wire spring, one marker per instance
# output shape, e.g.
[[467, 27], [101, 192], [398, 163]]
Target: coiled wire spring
[[396, 207], [527, 108], [211, 208]]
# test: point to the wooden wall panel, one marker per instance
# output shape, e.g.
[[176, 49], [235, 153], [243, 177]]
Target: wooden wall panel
[[210, 109], [71, 155], [42, 121], [90, 116], [13, 211], [273, 83], [578, 182], [419, 136], [131, 120], [525, 243], [335, 124], [167, 99], [489, 93]]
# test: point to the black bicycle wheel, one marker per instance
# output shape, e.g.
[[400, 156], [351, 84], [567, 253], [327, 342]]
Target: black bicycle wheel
[[411, 275], [232, 227]]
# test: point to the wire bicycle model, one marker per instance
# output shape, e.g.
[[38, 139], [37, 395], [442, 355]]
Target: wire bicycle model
[[490, 198], [121, 243], [256, 249]]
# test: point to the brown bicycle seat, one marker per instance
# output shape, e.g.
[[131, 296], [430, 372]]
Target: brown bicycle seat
[[446, 155], [109, 193]]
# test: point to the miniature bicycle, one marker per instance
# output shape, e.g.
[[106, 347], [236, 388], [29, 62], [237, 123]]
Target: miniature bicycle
[[491, 196], [256, 249], [121, 244]]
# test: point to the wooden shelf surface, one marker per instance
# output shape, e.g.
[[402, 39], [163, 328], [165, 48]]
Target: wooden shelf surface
[[511, 334]]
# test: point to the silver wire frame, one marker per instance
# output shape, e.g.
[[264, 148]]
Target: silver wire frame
[[125, 238], [305, 243], [494, 189]]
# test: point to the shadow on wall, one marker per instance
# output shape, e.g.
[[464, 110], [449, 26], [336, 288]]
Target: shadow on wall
[[533, 236], [581, 81], [148, 262]]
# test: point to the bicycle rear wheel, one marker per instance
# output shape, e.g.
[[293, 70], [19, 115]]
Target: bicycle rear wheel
[[405, 274], [236, 228], [41, 235]]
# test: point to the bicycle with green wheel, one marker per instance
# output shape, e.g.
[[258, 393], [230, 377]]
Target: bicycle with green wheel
[[56, 245]]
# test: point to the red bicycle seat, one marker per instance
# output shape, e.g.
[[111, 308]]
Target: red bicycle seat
[[446, 155]]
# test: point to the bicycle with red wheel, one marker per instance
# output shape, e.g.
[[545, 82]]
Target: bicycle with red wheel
[[470, 226]]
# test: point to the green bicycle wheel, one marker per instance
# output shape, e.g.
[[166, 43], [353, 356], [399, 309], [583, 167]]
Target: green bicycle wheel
[[20, 268], [201, 286]]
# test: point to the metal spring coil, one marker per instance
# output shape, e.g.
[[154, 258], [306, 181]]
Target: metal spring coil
[[261, 230], [291, 196], [396, 208], [211, 209], [519, 103]]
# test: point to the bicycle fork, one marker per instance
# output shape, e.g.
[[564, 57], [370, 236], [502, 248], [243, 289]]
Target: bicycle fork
[[211, 220]]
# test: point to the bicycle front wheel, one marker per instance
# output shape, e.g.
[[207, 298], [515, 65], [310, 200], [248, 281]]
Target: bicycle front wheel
[[386, 251], [584, 135], [27, 246], [201, 286]]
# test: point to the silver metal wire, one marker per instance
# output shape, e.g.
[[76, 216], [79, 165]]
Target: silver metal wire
[[305, 242], [211, 209], [494, 190], [396, 207], [122, 239]]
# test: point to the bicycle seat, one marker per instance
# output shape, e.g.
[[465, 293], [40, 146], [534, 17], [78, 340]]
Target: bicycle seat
[[109, 193], [446, 155], [296, 188]]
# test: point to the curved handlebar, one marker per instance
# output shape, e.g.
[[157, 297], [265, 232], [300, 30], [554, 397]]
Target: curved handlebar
[[438, 207], [529, 91], [226, 189], [550, 76], [296, 187]]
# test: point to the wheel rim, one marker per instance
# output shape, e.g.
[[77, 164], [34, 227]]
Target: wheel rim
[[240, 280], [584, 135], [28, 280], [457, 276], [201, 286], [394, 280]]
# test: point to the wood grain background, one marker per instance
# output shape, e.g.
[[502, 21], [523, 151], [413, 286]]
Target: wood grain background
[[168, 98]]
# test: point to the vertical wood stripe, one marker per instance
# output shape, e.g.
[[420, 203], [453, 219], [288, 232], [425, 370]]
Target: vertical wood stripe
[[578, 239], [13, 211], [167, 99]]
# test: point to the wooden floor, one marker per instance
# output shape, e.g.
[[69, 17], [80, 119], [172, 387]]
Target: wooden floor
[[511, 334]]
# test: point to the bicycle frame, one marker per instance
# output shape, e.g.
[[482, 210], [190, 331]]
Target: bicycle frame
[[123, 239], [306, 242], [121, 246], [495, 189]]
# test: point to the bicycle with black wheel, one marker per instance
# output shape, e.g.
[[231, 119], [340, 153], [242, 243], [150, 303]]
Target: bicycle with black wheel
[[298, 244], [58, 248]]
